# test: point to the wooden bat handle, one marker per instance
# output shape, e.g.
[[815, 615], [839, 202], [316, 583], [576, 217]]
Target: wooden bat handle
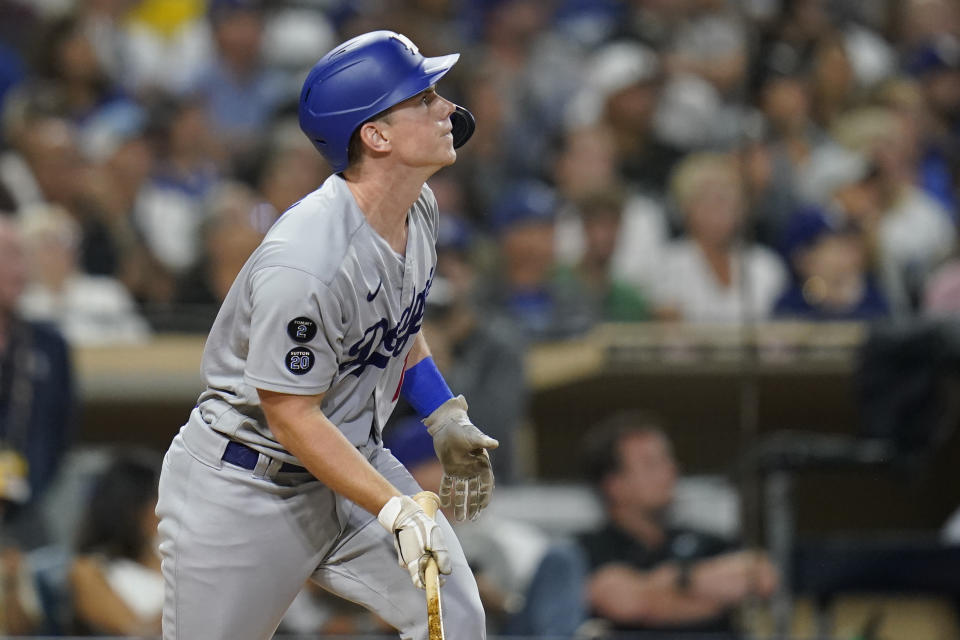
[[429, 502]]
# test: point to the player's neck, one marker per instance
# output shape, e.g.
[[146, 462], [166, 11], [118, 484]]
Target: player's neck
[[384, 202]]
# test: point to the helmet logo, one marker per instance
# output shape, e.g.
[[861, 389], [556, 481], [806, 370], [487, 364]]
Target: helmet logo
[[407, 43]]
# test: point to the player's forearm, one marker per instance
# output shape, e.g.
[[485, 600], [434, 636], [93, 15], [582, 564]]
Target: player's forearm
[[301, 427], [333, 460], [418, 351]]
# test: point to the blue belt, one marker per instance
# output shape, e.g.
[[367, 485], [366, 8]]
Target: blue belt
[[243, 456]]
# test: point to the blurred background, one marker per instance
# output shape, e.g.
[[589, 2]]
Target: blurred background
[[698, 273]]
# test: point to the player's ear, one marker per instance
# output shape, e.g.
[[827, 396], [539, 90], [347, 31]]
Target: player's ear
[[374, 137]]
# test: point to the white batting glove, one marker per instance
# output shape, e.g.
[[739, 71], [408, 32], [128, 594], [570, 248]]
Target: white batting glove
[[416, 537], [462, 449]]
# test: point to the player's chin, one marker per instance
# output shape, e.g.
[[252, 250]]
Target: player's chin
[[442, 156], [450, 156]]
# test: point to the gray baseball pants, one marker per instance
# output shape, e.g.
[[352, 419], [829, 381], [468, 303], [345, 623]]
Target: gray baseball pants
[[238, 545]]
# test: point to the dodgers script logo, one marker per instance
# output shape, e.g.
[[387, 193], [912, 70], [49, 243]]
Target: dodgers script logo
[[366, 351]]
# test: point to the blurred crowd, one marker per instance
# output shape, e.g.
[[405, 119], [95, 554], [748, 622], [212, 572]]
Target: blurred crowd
[[697, 160], [634, 160]]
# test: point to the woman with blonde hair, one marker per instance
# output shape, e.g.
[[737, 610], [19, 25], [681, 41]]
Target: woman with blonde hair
[[710, 274]]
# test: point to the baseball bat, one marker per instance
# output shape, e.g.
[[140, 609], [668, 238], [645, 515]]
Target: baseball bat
[[430, 502]]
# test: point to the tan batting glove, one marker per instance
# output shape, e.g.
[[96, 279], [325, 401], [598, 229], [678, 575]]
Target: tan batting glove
[[462, 449], [416, 537]]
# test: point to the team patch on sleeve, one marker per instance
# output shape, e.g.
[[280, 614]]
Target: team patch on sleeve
[[300, 360], [302, 329]]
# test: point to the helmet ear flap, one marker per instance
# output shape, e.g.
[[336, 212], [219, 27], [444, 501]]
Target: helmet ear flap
[[463, 126]]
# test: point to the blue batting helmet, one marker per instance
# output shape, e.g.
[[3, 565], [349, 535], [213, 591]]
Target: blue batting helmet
[[361, 78]]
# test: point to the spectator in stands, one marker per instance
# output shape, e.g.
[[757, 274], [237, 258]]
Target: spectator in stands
[[37, 407], [20, 613], [825, 244], [75, 83], [188, 167], [704, 62], [291, 169], [115, 581], [118, 183], [774, 165], [586, 165], [232, 229], [88, 309], [529, 585], [788, 38], [710, 42], [924, 21], [12, 70], [526, 289], [611, 299], [652, 23], [941, 294], [712, 274], [44, 163], [46, 166], [241, 93], [296, 35], [152, 47], [931, 42], [913, 232], [621, 89], [837, 47], [931, 102], [645, 574], [485, 172], [478, 353], [833, 281], [18, 23], [102, 21], [532, 73], [585, 161], [832, 80]]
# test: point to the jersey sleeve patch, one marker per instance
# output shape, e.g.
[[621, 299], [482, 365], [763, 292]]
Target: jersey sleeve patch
[[302, 329], [295, 332], [299, 361]]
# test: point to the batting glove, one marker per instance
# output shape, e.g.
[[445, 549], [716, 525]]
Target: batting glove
[[416, 537], [462, 449]]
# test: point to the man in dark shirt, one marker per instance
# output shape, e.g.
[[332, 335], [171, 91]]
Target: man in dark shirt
[[647, 576], [36, 400]]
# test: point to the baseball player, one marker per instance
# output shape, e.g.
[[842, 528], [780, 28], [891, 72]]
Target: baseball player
[[279, 475]]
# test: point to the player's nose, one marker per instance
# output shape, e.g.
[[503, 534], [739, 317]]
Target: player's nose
[[445, 106]]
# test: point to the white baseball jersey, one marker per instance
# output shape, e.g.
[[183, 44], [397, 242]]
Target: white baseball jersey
[[324, 305]]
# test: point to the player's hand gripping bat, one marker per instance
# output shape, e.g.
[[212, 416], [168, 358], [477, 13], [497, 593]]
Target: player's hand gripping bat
[[429, 502]]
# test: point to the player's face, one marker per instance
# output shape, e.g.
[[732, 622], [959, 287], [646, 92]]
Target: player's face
[[419, 131]]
